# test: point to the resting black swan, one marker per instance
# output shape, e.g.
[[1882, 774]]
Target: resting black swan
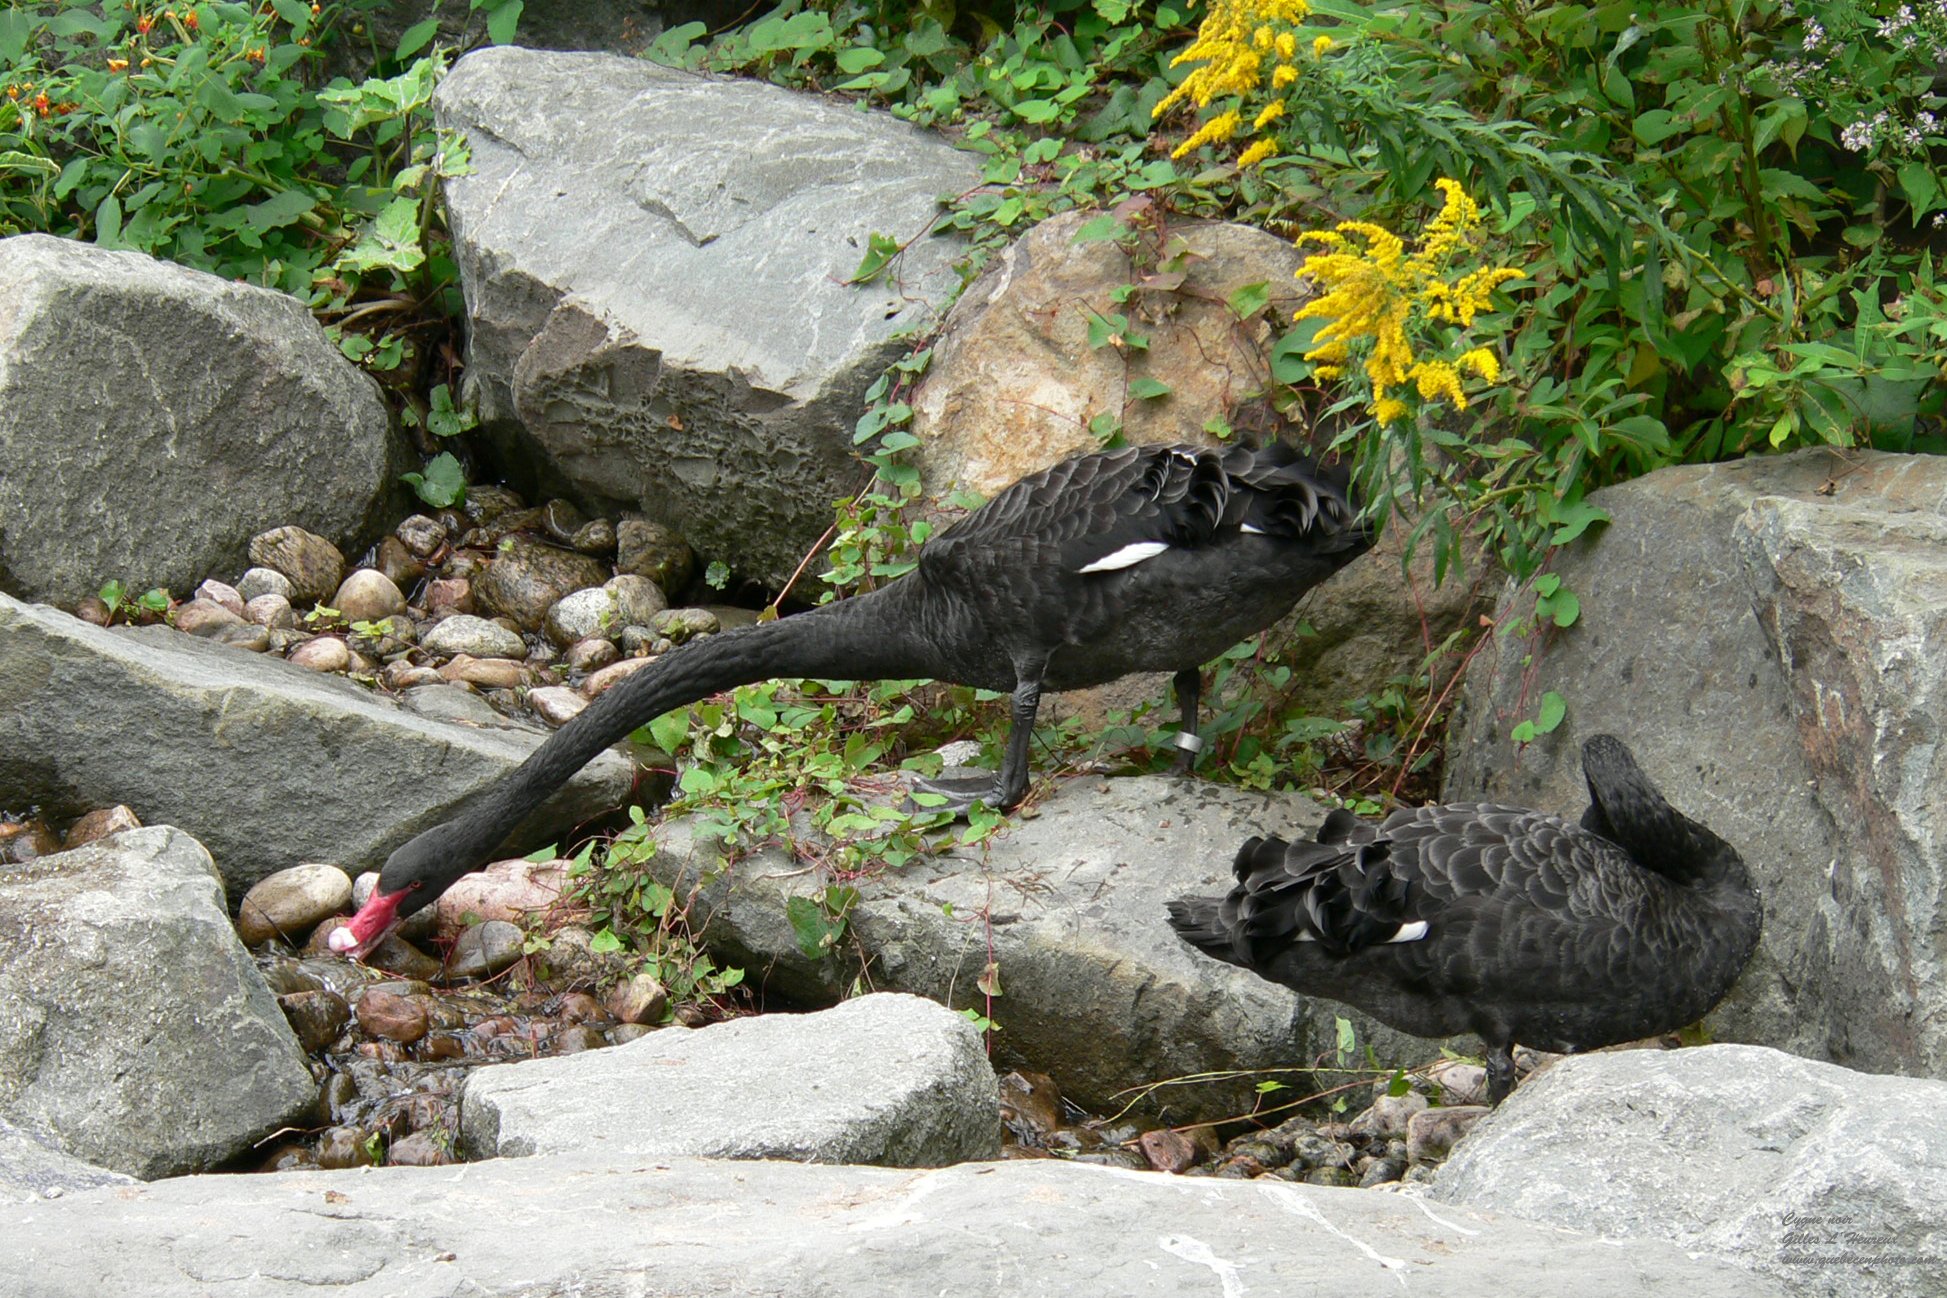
[[1147, 558], [1512, 924]]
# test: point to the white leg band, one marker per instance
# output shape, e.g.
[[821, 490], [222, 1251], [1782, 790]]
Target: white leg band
[[1188, 742]]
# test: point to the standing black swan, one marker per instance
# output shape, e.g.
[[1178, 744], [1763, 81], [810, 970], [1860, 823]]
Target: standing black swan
[[1512, 924], [1147, 558]]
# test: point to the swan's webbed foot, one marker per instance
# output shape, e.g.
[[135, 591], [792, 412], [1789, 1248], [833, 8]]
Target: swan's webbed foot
[[1500, 1073], [961, 793]]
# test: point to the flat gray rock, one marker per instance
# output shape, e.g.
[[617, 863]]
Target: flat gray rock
[[34, 1168], [655, 265], [886, 1079], [135, 1033], [263, 762], [1767, 636], [1096, 989], [564, 1225], [153, 418], [1833, 1182]]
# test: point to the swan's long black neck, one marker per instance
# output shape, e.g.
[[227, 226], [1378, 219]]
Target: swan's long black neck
[[863, 638]]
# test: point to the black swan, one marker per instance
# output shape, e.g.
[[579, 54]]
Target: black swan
[[1146, 558], [1512, 924]]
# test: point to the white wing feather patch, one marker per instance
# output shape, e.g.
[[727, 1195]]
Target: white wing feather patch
[[1127, 557], [1249, 529], [1407, 933]]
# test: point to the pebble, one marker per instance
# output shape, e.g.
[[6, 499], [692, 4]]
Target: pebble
[[446, 701], [317, 1017], [421, 535], [420, 1149], [221, 593], [323, 653], [1316, 1151], [583, 614], [680, 624], [575, 1038], [487, 673], [400, 566], [415, 927], [473, 637], [265, 581], [272, 610], [342, 1147], [1431, 1134], [485, 949], [202, 617], [392, 1016], [312, 563], [640, 641], [589, 655], [368, 595], [511, 890], [485, 502], [612, 673], [1168, 1151], [1388, 1116], [27, 841], [651, 550], [243, 635], [571, 960], [623, 1033], [579, 1007], [292, 902], [642, 999], [447, 596], [596, 538], [556, 704], [400, 675], [99, 824], [1458, 1082], [529, 576]]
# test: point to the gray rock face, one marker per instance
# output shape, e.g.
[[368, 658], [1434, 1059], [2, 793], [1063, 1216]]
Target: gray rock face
[[1834, 1182], [134, 1031], [1736, 623], [892, 1080], [32, 1169], [571, 1224], [1096, 988], [156, 388], [675, 333], [219, 751]]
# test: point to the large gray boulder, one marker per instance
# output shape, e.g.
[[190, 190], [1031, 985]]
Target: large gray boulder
[[1768, 636], [1095, 987], [266, 763], [570, 1224], [1832, 1181], [892, 1080], [655, 265], [153, 418], [34, 1167], [134, 1031]]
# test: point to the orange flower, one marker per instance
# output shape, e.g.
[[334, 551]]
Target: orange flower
[[189, 20], [118, 65], [13, 92], [41, 105], [144, 23]]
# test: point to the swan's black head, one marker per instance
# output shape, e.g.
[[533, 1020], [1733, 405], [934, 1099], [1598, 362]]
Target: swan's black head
[[413, 878], [1626, 808]]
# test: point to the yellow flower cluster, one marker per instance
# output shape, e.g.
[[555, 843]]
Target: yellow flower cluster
[[1372, 287], [1235, 43]]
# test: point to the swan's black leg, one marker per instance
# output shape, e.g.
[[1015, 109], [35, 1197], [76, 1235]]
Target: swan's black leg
[[1500, 1072], [1007, 789], [1188, 685]]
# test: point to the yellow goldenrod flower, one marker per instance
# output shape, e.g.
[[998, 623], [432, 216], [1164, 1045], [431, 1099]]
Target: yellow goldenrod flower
[[1231, 45], [1287, 46], [1283, 76], [1257, 153], [1482, 362], [1272, 112], [1215, 131], [1437, 379], [1388, 409], [1320, 44]]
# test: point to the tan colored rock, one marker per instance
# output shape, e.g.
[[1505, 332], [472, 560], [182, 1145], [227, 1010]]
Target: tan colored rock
[[511, 890], [100, 823], [313, 565], [612, 673], [367, 595]]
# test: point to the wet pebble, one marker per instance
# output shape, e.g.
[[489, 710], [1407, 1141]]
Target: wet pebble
[[367, 595], [313, 564], [623, 1033], [642, 999], [258, 582], [589, 655], [575, 1038], [571, 960], [579, 1007], [324, 653], [292, 902], [485, 949], [420, 1149], [400, 566], [27, 840], [556, 704], [99, 824], [289, 1158], [1382, 1170], [342, 1147], [1317, 1151], [317, 1017], [474, 637], [596, 537], [392, 1016]]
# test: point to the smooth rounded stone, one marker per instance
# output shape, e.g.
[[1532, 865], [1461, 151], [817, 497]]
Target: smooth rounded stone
[[289, 1158], [570, 959], [1381, 1171], [1316, 1151], [475, 637], [418, 926], [1388, 1116], [292, 902], [511, 890], [342, 1147], [28, 841], [1328, 1176], [243, 635], [221, 593], [400, 676], [485, 502], [94, 611], [651, 550], [1432, 1134], [399, 565], [317, 1017], [313, 564], [590, 655], [394, 955], [322, 653], [420, 1149], [202, 617], [287, 977], [612, 673], [583, 614], [392, 1016], [285, 639], [556, 704], [486, 673], [561, 520], [422, 536], [485, 949], [575, 1038], [1168, 1151], [265, 581], [338, 1092], [623, 1033], [638, 598], [638, 641], [449, 595], [596, 537], [680, 624], [271, 610], [528, 577], [1458, 1082], [642, 999], [442, 700], [732, 616], [98, 824], [1270, 1153], [367, 595]]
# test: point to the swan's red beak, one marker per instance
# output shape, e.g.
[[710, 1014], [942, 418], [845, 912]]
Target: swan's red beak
[[376, 918]]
